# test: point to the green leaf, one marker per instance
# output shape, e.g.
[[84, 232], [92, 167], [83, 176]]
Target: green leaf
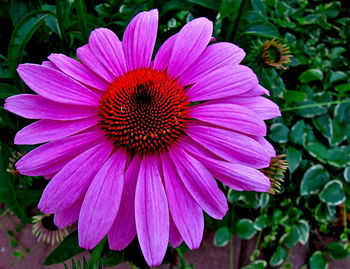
[[338, 157], [279, 133], [7, 90], [323, 123], [260, 222], [215, 5], [331, 10], [245, 229], [229, 8], [233, 195], [339, 133], [347, 174], [21, 35], [318, 260], [332, 193], [258, 264], [95, 259], [313, 180], [337, 251], [309, 112], [342, 88], [113, 259], [264, 199], [222, 237], [342, 112], [325, 212], [303, 229], [291, 238], [297, 133], [66, 250], [318, 151], [293, 158], [264, 29], [278, 256], [338, 76], [293, 96], [311, 75]]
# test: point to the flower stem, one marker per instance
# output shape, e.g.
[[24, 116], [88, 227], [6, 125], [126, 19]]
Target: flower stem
[[315, 105], [62, 30]]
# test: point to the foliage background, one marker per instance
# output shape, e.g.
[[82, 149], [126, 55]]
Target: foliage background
[[313, 94]]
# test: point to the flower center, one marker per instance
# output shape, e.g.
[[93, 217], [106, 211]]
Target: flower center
[[144, 111]]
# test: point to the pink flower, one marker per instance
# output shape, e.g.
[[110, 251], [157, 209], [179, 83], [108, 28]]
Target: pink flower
[[134, 145]]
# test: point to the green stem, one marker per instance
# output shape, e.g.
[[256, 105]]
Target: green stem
[[182, 260], [315, 105], [257, 241], [232, 265], [4, 213], [96, 254], [81, 12]]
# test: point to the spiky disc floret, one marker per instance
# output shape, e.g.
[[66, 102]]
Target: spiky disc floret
[[145, 110]]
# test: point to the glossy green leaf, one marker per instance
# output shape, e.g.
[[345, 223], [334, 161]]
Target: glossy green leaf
[[293, 96], [342, 112], [318, 151], [342, 88], [338, 76], [303, 229], [291, 238], [339, 132], [318, 260], [21, 35], [245, 229], [279, 133], [338, 157], [66, 250], [260, 222], [233, 195], [313, 180], [278, 256], [332, 193], [311, 75], [331, 10], [293, 158], [347, 174], [323, 123], [264, 29], [222, 237], [95, 259], [297, 133], [337, 251]]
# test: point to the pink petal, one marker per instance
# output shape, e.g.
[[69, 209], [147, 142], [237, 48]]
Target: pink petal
[[229, 145], [48, 130], [213, 57], [101, 202], [265, 108], [56, 86], [161, 61], [223, 82], [78, 71], [190, 43], [256, 91], [229, 116], [175, 238], [107, 48], [51, 157], [74, 179], [91, 61], [236, 176], [68, 215], [199, 183], [151, 211], [36, 107], [139, 39], [270, 151], [50, 64], [186, 213], [123, 229]]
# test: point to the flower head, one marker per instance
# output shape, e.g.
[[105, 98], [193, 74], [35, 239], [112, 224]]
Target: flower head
[[133, 144], [46, 230], [276, 54]]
